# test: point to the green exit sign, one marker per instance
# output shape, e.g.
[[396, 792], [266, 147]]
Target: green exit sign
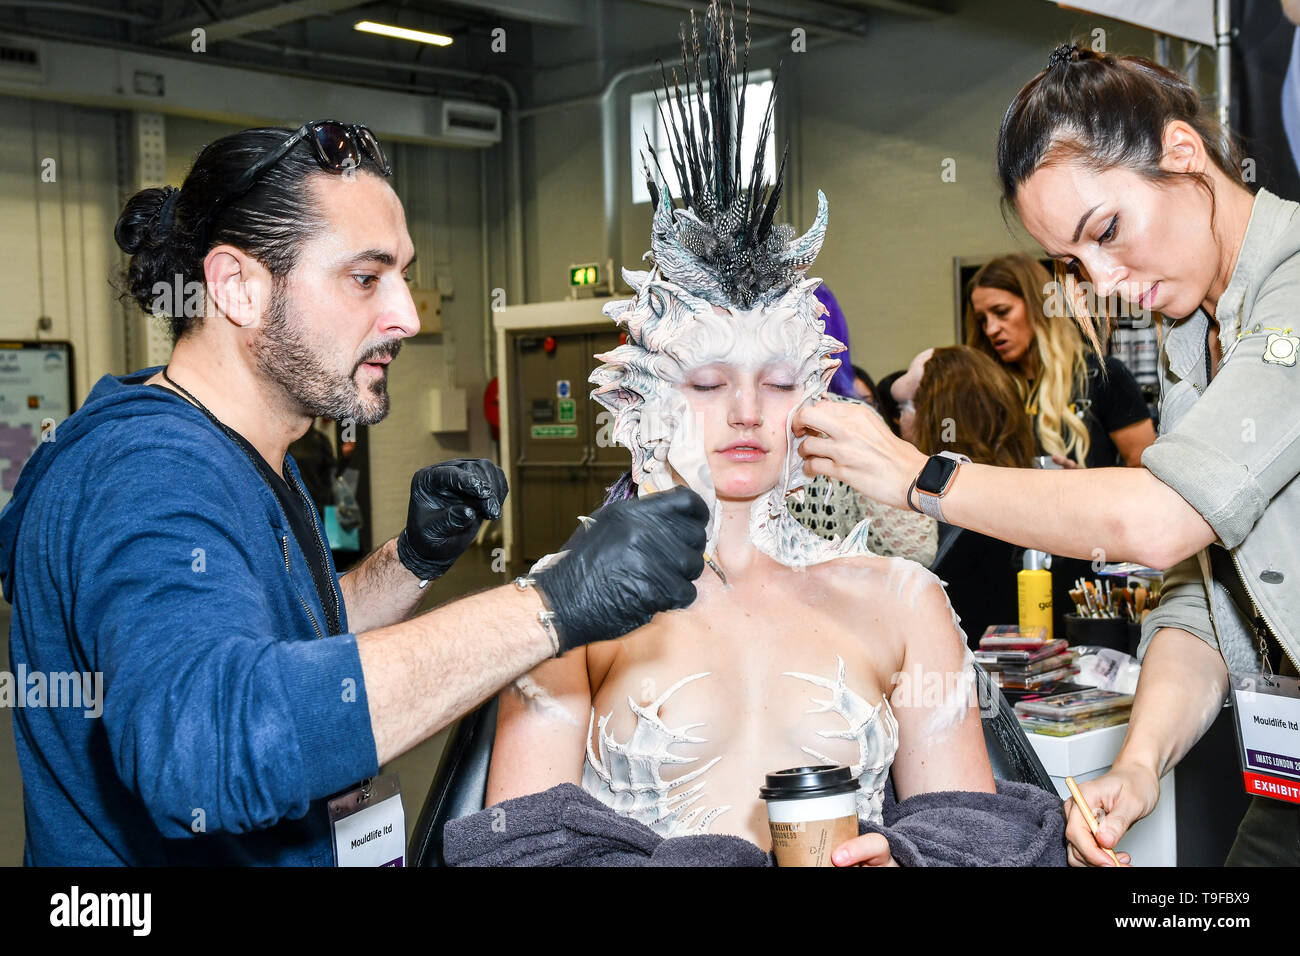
[[584, 275]]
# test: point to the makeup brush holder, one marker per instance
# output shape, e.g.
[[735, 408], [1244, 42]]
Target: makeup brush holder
[[1112, 632]]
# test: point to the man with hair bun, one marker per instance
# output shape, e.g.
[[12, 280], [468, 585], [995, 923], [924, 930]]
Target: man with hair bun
[[165, 540]]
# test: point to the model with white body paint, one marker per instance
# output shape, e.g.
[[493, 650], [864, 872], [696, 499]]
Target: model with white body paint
[[805, 654]]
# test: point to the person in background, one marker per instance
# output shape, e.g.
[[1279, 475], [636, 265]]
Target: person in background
[[1291, 85], [1081, 415], [837, 327], [956, 399], [314, 455], [863, 387], [886, 404]]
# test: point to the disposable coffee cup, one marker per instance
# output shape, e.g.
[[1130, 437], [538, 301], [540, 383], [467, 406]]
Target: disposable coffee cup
[[811, 811]]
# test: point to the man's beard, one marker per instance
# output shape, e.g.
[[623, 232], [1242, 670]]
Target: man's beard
[[285, 355]]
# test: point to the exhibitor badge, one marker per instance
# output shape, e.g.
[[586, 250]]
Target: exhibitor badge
[[368, 824], [1267, 711]]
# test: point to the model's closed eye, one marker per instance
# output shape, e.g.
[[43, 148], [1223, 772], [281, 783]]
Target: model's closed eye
[[1111, 230]]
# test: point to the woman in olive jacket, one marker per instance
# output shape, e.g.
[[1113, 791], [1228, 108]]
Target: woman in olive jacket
[[1114, 167]]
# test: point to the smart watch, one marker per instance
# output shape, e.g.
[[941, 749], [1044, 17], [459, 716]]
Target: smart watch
[[935, 481]]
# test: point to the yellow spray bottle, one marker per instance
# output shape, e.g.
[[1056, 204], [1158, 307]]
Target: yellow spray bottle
[[1034, 590]]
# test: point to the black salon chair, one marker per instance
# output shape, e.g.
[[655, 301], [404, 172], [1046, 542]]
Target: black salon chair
[[460, 783]]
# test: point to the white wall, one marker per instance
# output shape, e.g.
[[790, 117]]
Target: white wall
[[56, 245]]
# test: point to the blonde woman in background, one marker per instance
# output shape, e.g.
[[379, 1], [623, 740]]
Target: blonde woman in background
[[1081, 415]]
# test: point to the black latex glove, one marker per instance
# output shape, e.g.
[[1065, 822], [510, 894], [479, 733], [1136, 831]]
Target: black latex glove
[[449, 501], [637, 558]]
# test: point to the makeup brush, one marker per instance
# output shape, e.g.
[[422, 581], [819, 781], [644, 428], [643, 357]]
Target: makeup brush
[[1094, 602], [1088, 816]]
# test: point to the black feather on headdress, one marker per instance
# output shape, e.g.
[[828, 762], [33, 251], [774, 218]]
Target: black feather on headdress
[[725, 224]]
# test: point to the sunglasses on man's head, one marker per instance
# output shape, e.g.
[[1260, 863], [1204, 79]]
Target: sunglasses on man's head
[[336, 146]]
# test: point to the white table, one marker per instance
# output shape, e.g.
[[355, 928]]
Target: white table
[[1153, 840]]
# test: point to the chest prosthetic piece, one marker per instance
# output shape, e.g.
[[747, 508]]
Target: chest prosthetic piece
[[628, 776]]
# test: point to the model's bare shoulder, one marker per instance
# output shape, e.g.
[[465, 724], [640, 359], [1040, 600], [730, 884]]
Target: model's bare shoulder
[[868, 580], [878, 599]]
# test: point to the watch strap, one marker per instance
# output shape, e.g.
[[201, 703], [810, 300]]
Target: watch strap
[[911, 488], [930, 505]]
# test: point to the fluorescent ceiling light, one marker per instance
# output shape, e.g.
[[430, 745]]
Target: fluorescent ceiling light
[[401, 33]]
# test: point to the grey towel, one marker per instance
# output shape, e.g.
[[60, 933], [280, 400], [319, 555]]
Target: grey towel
[[566, 826], [1020, 825]]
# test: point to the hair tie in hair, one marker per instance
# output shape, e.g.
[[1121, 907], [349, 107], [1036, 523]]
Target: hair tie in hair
[[1065, 53], [166, 212]]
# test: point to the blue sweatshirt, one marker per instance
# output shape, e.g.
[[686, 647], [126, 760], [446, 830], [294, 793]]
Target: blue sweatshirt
[[142, 544]]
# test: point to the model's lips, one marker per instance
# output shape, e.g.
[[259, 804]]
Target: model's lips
[[743, 451], [379, 364]]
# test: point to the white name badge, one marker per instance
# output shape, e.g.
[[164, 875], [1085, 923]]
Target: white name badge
[[369, 825], [1267, 711]]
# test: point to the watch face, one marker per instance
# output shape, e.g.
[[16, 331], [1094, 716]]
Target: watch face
[[934, 476]]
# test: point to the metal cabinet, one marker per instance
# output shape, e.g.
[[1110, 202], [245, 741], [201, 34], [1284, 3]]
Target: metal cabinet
[[561, 467]]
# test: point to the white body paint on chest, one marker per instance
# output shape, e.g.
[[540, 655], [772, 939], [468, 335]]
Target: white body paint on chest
[[628, 776]]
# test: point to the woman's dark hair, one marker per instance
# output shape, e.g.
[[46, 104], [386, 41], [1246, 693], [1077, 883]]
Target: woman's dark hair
[[169, 235], [1104, 111], [967, 404], [860, 372], [885, 403]]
